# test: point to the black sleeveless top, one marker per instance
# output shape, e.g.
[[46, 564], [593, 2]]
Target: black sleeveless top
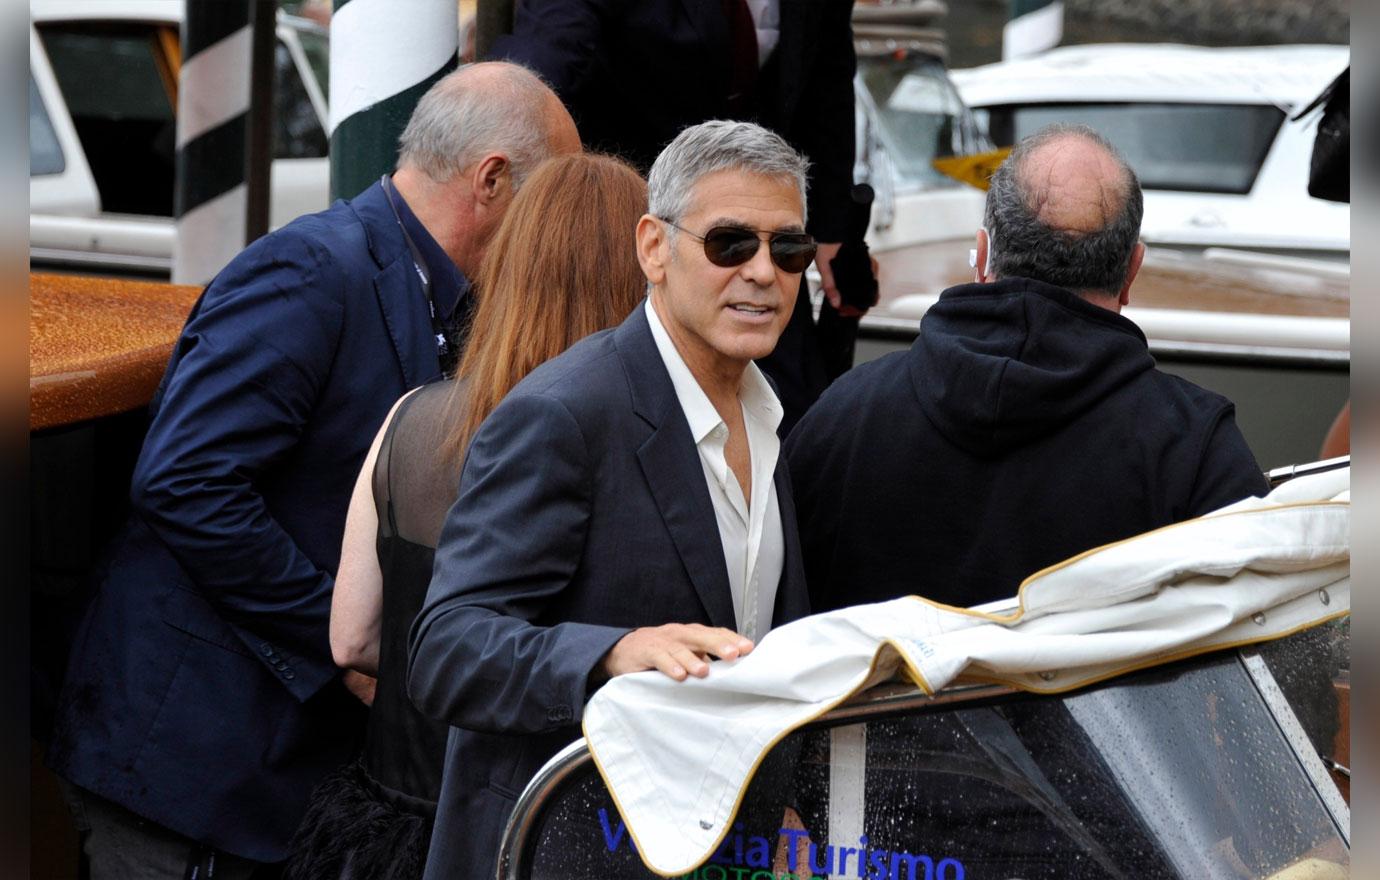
[[415, 482], [373, 818]]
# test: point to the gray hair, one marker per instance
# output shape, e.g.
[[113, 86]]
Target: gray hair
[[476, 110], [719, 145], [1025, 246]]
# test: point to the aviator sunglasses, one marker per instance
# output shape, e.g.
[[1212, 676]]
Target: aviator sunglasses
[[730, 246]]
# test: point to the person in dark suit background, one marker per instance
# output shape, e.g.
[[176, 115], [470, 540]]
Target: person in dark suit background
[[625, 507], [635, 72], [201, 704]]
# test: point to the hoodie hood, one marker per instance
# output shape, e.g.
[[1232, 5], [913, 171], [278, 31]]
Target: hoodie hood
[[1000, 365]]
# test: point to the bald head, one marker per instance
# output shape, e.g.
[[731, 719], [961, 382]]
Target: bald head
[[1073, 184], [1065, 209], [473, 139], [493, 107]]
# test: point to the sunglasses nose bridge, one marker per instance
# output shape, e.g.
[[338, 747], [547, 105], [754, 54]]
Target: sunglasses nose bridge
[[761, 265]]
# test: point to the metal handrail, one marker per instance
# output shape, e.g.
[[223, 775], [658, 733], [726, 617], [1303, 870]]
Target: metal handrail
[[1288, 472]]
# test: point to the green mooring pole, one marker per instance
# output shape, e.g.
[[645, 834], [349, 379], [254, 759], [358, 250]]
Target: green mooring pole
[[385, 54]]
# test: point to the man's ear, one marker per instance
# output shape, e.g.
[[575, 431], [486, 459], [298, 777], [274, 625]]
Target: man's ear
[[653, 248], [492, 180], [1137, 257], [983, 257]]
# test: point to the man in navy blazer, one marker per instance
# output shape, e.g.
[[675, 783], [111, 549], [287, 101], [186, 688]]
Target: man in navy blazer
[[201, 705], [625, 508]]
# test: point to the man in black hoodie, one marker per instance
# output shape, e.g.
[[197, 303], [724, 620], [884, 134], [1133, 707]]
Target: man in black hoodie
[[1028, 422]]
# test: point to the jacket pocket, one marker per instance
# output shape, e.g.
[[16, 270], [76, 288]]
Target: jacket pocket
[[187, 611]]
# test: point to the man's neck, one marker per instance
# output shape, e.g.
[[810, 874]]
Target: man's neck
[[719, 378], [434, 206]]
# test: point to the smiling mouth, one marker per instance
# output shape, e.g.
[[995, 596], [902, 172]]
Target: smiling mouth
[[746, 309]]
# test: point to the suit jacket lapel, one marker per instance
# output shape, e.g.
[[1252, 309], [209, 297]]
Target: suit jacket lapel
[[671, 465], [792, 598], [398, 289]]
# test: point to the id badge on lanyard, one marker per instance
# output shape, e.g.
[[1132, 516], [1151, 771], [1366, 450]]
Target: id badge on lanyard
[[444, 346]]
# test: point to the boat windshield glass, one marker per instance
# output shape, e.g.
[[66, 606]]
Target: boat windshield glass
[[45, 153], [1215, 148], [920, 116], [1177, 772]]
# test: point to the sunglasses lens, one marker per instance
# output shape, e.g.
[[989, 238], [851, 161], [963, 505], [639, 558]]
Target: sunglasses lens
[[792, 253], [727, 247]]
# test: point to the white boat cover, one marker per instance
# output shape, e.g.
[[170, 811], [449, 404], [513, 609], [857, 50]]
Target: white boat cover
[[678, 756]]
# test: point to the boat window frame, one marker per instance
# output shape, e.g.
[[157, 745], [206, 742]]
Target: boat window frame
[[520, 835]]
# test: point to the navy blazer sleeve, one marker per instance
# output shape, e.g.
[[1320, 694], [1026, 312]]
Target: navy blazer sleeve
[[238, 393], [823, 126], [483, 653]]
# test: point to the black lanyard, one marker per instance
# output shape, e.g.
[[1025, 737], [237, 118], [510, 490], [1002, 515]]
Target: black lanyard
[[445, 336]]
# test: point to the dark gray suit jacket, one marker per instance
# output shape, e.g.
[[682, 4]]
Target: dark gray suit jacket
[[583, 513]]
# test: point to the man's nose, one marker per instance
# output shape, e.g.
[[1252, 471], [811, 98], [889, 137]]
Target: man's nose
[[760, 269]]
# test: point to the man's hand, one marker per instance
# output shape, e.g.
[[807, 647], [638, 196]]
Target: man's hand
[[677, 649], [360, 685], [827, 251]]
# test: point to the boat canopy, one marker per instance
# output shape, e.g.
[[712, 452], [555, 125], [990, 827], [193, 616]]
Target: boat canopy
[[677, 757]]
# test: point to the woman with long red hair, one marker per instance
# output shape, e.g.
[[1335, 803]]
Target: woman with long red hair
[[561, 266]]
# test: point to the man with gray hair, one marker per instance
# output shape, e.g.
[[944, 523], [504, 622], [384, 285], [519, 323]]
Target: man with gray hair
[[1027, 423], [201, 705], [625, 507]]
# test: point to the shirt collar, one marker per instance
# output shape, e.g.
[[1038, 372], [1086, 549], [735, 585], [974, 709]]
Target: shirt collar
[[448, 283], [754, 391]]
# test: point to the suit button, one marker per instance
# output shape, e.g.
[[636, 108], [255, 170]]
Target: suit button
[[288, 675], [558, 714], [280, 664], [266, 649]]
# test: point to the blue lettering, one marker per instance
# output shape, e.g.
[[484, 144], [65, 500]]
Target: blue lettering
[[611, 837], [912, 863], [793, 835], [759, 852], [828, 865], [876, 866], [755, 852], [844, 852]]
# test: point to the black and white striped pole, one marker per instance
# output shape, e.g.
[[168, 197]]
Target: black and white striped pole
[[385, 54], [210, 195], [1034, 26]]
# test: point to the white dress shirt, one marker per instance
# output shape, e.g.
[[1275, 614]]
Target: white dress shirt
[[753, 545], [766, 15]]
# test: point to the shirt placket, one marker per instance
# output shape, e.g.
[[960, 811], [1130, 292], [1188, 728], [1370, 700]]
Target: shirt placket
[[715, 448], [757, 514]]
